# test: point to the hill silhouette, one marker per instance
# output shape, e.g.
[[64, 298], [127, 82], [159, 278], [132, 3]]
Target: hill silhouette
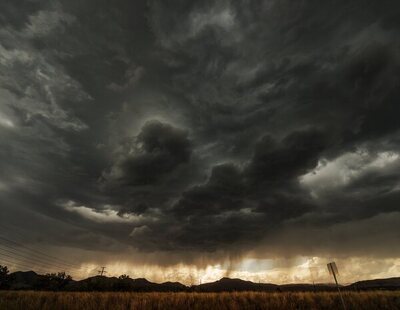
[[387, 284], [24, 280], [30, 280], [227, 284], [102, 283]]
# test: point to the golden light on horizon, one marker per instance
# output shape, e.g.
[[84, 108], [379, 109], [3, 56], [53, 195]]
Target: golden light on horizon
[[255, 270]]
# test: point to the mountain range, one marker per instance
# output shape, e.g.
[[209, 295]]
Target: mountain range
[[30, 280]]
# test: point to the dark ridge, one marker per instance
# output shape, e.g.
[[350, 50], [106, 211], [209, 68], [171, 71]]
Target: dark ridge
[[30, 280], [377, 284], [306, 287], [24, 280], [227, 284]]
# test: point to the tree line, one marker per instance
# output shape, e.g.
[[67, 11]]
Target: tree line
[[61, 281], [49, 281]]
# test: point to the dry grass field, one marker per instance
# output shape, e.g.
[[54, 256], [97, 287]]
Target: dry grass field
[[27, 300]]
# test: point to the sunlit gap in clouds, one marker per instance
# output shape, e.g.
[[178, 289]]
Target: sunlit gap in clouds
[[347, 168], [6, 122], [279, 271]]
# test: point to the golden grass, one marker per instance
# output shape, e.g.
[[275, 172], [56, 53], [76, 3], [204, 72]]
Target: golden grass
[[28, 300]]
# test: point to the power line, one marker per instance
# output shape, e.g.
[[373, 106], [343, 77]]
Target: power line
[[33, 262], [33, 257], [36, 257], [13, 262], [14, 232], [22, 267], [37, 261], [37, 253], [9, 263]]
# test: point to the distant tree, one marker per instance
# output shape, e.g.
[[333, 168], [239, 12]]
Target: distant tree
[[62, 276], [123, 284], [56, 281], [3, 277], [123, 277]]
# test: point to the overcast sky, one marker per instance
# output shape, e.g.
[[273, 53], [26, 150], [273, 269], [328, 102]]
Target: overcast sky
[[244, 136]]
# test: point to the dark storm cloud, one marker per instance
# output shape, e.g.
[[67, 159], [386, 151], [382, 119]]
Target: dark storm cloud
[[249, 200], [296, 154], [157, 150], [203, 125]]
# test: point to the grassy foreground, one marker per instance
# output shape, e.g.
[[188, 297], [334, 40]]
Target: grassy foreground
[[244, 300]]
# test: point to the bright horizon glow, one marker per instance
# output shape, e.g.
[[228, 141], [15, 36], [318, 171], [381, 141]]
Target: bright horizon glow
[[306, 270]]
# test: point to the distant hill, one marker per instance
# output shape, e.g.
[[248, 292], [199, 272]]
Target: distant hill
[[102, 283], [306, 287], [227, 284], [27, 280], [383, 284], [30, 280]]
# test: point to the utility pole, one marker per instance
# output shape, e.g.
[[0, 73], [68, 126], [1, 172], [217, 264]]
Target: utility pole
[[312, 271], [333, 270], [102, 271]]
